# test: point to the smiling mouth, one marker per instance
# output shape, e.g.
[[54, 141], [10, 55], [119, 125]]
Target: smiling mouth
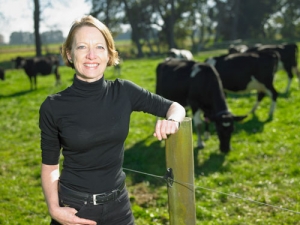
[[92, 65]]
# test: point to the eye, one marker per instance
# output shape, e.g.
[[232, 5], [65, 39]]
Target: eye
[[81, 47], [100, 47]]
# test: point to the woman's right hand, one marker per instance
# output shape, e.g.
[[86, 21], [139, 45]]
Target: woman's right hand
[[66, 216]]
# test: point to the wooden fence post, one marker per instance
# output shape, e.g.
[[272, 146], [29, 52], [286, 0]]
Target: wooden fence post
[[180, 158]]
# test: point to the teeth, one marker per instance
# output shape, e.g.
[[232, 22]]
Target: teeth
[[91, 65]]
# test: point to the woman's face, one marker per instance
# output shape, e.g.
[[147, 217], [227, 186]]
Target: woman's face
[[89, 54]]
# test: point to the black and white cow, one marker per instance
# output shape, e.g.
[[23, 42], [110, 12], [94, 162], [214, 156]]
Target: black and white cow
[[198, 86], [180, 54], [44, 65], [243, 72], [237, 49], [288, 56], [2, 74]]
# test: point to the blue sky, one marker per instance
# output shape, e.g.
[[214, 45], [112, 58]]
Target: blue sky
[[17, 15]]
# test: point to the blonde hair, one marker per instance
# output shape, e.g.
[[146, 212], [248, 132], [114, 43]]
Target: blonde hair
[[92, 22]]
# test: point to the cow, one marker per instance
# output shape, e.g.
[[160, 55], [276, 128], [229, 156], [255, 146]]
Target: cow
[[180, 54], [237, 49], [288, 56], [2, 74], [117, 68], [243, 72], [197, 85], [43, 65]]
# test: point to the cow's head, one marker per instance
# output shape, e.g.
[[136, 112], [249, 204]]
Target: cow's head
[[225, 126], [19, 62]]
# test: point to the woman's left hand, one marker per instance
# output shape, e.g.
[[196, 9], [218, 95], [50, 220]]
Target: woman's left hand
[[164, 128]]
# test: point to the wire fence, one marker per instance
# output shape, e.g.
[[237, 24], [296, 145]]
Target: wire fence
[[169, 180]]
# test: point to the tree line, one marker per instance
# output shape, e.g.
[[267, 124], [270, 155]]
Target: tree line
[[48, 37], [198, 23], [193, 24]]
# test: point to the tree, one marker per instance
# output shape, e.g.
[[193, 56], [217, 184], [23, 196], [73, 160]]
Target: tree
[[28, 38], [236, 19], [21, 38], [1, 39], [171, 12], [290, 18], [53, 36], [202, 25], [111, 13], [36, 18], [138, 15], [171, 22]]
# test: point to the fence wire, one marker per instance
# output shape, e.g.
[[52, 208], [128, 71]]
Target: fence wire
[[194, 187]]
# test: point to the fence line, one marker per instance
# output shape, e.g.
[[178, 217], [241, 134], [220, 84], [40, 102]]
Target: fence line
[[187, 185]]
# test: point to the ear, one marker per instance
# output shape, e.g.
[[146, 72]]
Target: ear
[[69, 56], [239, 118]]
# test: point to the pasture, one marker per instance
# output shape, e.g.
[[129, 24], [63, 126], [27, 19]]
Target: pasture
[[256, 183]]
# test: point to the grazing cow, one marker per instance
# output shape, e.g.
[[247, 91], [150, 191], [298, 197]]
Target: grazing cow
[[180, 54], [288, 55], [43, 65], [237, 49], [117, 68], [198, 86], [243, 72], [2, 74]]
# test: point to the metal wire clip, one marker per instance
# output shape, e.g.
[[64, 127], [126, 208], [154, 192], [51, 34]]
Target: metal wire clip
[[169, 177]]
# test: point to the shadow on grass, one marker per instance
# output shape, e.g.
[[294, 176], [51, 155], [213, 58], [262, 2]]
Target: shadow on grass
[[284, 94], [247, 95], [17, 94], [147, 162], [21, 93], [213, 164], [145, 158], [253, 125], [237, 96]]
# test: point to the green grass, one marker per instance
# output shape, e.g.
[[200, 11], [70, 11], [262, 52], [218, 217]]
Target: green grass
[[263, 165]]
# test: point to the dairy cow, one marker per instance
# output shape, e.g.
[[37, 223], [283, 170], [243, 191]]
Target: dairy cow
[[243, 72], [198, 86], [237, 49], [180, 54], [35, 66], [288, 54]]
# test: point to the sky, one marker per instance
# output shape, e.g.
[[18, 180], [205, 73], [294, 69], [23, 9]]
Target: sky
[[17, 15]]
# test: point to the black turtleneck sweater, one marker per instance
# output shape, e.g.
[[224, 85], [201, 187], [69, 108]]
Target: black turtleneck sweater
[[90, 122]]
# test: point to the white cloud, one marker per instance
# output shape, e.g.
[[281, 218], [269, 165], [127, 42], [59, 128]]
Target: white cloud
[[17, 15]]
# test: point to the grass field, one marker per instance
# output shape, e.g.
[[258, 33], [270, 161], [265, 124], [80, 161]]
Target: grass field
[[256, 183]]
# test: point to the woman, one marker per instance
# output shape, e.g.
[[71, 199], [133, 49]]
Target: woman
[[90, 121]]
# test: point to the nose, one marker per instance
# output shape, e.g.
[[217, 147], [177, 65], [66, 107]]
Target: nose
[[91, 54]]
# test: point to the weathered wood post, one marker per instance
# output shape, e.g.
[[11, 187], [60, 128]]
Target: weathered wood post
[[180, 158]]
